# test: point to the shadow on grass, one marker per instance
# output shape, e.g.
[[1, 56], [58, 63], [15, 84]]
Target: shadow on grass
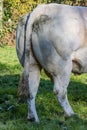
[[49, 111], [77, 89], [7, 81]]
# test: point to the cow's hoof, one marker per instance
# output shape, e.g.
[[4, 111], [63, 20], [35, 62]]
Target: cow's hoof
[[32, 119], [69, 112], [74, 116]]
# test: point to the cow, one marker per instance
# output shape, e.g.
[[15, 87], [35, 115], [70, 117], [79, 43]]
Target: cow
[[52, 37]]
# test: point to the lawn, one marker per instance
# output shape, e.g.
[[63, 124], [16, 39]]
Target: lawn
[[13, 114]]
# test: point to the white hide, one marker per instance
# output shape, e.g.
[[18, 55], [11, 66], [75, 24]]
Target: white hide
[[57, 37]]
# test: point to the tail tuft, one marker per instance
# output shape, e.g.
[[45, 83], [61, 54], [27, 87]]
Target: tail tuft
[[23, 88]]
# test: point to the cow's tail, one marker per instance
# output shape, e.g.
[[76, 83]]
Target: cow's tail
[[21, 41]]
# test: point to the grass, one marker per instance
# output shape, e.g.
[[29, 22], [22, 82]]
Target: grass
[[13, 114]]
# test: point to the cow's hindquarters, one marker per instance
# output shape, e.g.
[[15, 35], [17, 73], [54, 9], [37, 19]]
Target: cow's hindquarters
[[58, 67]]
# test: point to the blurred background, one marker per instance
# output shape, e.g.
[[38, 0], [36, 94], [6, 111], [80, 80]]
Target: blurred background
[[12, 10]]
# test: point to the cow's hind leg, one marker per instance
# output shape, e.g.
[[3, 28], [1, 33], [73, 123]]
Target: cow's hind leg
[[34, 79], [61, 82]]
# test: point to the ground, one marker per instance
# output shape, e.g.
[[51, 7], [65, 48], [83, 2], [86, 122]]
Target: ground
[[13, 114]]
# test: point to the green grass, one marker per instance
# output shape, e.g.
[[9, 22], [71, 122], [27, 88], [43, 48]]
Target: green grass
[[13, 114]]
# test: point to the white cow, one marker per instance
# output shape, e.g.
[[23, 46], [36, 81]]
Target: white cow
[[52, 37]]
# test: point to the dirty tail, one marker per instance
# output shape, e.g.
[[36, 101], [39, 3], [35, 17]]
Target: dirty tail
[[23, 52]]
